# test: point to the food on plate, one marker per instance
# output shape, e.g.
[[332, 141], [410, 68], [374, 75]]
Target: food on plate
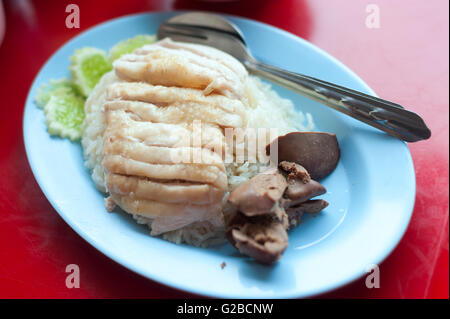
[[266, 210], [64, 115], [270, 203], [63, 106], [62, 87], [298, 197], [87, 67], [317, 151], [262, 237], [139, 117], [179, 136], [259, 195], [184, 65]]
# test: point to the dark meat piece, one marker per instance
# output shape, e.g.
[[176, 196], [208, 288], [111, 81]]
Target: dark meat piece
[[300, 185], [259, 228], [295, 213], [260, 194], [301, 188], [312, 206], [297, 192], [264, 238], [295, 171], [318, 152], [294, 217]]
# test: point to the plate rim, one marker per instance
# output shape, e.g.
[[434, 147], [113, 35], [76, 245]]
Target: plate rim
[[179, 286]]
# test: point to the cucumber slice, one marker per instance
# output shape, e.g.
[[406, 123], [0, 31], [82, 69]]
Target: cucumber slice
[[55, 87], [64, 115], [88, 66]]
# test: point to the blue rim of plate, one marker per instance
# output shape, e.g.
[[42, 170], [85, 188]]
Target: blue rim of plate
[[401, 229]]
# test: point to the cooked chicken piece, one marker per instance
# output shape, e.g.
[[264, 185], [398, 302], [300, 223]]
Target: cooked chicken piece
[[164, 143], [203, 62], [295, 171], [260, 194], [209, 52], [173, 216], [312, 206], [164, 224], [263, 238], [295, 213], [269, 204], [298, 192], [317, 152], [153, 209], [181, 113], [164, 191], [162, 155], [94, 128], [189, 171], [109, 204], [183, 67], [213, 105], [121, 125]]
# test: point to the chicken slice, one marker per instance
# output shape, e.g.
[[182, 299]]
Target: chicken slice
[[159, 65], [155, 52], [192, 172], [162, 155], [187, 112], [121, 124], [164, 224], [209, 52], [165, 96], [167, 192], [205, 138], [164, 143], [169, 216]]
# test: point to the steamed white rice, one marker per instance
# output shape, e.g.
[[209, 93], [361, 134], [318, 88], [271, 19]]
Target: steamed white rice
[[265, 109]]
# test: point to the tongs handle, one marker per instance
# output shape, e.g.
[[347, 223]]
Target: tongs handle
[[384, 115]]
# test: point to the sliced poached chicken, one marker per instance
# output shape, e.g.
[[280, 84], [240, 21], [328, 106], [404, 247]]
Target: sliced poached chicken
[[164, 144]]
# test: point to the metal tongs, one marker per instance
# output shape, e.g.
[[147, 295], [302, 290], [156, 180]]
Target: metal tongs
[[215, 31]]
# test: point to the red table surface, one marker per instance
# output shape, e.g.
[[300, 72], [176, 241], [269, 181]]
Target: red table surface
[[405, 60]]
